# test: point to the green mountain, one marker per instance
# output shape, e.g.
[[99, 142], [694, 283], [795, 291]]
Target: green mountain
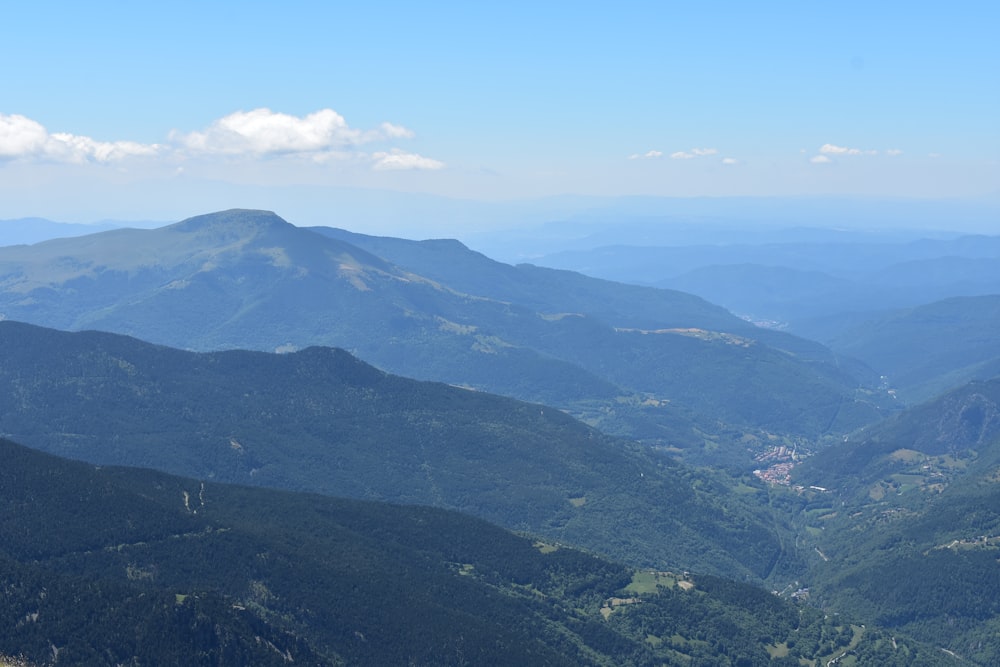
[[321, 420], [904, 522], [657, 365], [110, 566]]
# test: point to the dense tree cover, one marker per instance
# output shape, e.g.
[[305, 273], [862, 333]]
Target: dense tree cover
[[47, 617], [926, 566], [165, 570], [321, 420]]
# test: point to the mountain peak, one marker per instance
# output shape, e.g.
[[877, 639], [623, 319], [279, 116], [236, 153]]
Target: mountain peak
[[232, 220]]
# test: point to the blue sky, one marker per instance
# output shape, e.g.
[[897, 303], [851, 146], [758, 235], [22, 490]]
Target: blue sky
[[156, 110]]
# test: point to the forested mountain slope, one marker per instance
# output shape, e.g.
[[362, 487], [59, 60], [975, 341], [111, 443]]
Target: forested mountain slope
[[903, 522], [321, 420], [109, 566]]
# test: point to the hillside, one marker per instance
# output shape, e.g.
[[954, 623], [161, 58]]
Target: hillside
[[148, 568], [661, 366], [321, 420], [907, 530], [962, 425]]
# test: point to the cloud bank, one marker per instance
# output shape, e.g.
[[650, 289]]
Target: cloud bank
[[827, 150], [258, 134], [677, 155]]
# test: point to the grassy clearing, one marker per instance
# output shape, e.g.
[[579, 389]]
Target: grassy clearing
[[818, 513], [778, 650], [545, 547], [648, 582], [905, 479]]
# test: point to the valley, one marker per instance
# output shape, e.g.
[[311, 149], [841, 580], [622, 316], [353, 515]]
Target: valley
[[396, 334], [699, 454]]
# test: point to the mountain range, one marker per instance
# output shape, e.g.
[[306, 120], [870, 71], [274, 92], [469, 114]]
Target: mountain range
[[815, 287], [658, 365], [892, 523]]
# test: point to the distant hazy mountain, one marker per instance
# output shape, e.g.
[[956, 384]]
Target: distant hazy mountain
[[321, 420], [655, 364], [823, 291], [34, 230], [929, 349], [651, 264], [584, 224], [111, 566]]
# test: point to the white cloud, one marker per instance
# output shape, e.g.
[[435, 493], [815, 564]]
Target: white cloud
[[730, 160], [649, 155], [320, 137], [21, 136], [695, 152], [265, 132], [819, 159], [397, 159], [396, 131], [838, 150], [894, 152], [832, 149], [24, 138]]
